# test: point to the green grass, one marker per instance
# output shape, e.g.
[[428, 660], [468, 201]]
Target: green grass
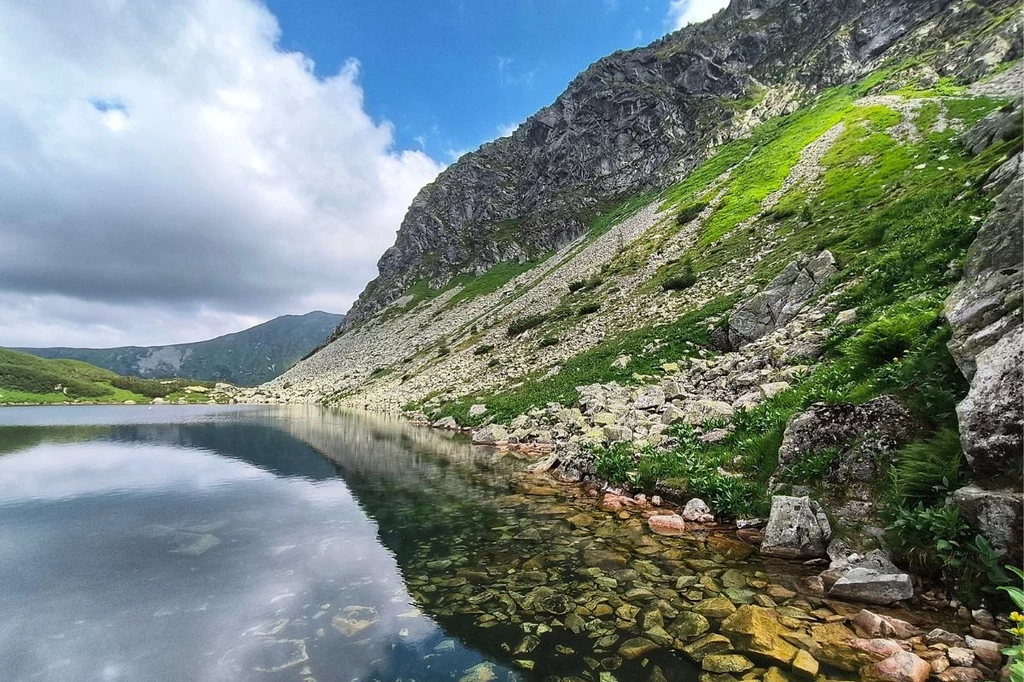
[[681, 338], [26, 378]]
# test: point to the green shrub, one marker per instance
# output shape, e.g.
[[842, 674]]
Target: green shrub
[[588, 309], [585, 284], [889, 338], [493, 362], [517, 327], [483, 349], [443, 350], [690, 212], [810, 469], [548, 341], [925, 472], [684, 279]]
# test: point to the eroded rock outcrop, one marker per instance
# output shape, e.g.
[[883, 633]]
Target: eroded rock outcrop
[[985, 313], [797, 529], [781, 300]]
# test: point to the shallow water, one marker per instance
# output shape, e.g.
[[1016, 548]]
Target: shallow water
[[212, 543]]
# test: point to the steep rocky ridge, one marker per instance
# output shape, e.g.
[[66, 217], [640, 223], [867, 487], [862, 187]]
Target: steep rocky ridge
[[643, 118]]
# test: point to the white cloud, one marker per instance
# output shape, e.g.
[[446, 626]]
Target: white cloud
[[169, 173], [684, 12], [506, 129]]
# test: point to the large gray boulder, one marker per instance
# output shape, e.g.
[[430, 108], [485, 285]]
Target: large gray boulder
[[984, 312], [858, 434], [797, 529], [781, 300], [872, 587], [996, 514]]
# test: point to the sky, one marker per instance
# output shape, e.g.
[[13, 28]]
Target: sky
[[173, 171]]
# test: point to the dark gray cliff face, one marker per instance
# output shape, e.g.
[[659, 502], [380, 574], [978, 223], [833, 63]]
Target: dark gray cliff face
[[639, 120]]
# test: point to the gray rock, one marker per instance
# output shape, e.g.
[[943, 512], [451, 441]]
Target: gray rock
[[869, 586], [984, 312], [781, 300], [618, 434], [797, 529], [477, 410], [1003, 124], [446, 423], [697, 412], [698, 511], [490, 434], [651, 397], [858, 434], [996, 514]]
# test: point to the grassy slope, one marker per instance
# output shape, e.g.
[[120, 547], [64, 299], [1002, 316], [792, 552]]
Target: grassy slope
[[896, 213], [29, 379]]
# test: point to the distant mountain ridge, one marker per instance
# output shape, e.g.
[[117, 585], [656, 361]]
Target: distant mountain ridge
[[245, 358]]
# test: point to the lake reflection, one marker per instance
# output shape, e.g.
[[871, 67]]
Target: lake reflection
[[225, 544]]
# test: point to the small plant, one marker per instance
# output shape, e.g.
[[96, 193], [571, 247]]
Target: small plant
[[683, 280], [588, 309], [688, 213], [483, 349], [548, 341], [493, 362], [809, 469], [585, 284], [523, 324], [927, 471], [443, 350], [1016, 652]]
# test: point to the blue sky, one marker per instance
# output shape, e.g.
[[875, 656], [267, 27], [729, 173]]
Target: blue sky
[[452, 74], [174, 171]]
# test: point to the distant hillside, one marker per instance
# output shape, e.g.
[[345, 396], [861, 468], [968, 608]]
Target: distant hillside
[[246, 358], [29, 379]]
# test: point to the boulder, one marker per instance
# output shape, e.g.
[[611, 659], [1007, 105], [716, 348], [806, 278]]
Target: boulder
[[781, 300], [490, 434], [477, 410], [797, 529], [870, 586], [697, 412], [875, 625], [650, 398], [757, 630], [853, 654], [858, 433], [996, 514], [902, 666], [667, 524], [988, 652], [984, 312], [960, 675], [446, 423], [698, 511]]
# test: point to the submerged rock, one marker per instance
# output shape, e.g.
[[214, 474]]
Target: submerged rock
[[355, 619], [757, 630], [667, 524]]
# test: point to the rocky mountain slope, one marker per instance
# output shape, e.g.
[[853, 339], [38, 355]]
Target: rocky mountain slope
[[806, 308], [641, 119], [246, 358]]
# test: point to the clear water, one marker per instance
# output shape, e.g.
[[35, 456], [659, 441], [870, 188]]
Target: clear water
[[211, 543]]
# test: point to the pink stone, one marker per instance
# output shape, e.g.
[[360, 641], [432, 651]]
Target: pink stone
[[961, 675], [875, 625], [902, 666], [667, 524]]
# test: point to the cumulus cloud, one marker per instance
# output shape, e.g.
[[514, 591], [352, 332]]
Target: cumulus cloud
[[684, 12], [170, 173]]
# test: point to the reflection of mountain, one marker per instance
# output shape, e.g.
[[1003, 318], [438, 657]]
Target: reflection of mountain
[[15, 438], [258, 444]]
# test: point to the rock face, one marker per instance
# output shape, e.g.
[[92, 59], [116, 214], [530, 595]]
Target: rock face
[[985, 313], [998, 515], [781, 300], [859, 436], [797, 529], [637, 120]]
